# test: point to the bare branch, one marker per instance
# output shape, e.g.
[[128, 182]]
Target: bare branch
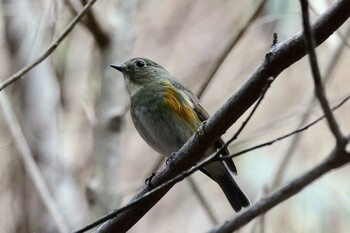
[[335, 160], [189, 172], [231, 46], [102, 38], [279, 58], [245, 122], [287, 155], [202, 200], [18, 75], [30, 165], [319, 89], [299, 130]]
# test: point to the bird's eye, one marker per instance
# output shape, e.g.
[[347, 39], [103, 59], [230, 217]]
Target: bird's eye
[[140, 64]]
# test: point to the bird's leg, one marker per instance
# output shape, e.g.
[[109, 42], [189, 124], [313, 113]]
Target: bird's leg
[[200, 130], [169, 161]]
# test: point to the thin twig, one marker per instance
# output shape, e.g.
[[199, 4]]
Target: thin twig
[[196, 168], [222, 58], [102, 38], [337, 158], [333, 61], [70, 7], [138, 200], [338, 53], [19, 74], [202, 200], [30, 165], [197, 192], [245, 122], [269, 143], [231, 46], [319, 89], [177, 178], [275, 39], [281, 57]]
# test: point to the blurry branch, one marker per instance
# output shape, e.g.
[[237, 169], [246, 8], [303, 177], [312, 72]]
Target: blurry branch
[[281, 167], [210, 159], [276, 60], [299, 130], [181, 176], [145, 197], [231, 45], [19, 74], [195, 188], [202, 200], [279, 171], [216, 155], [337, 158], [30, 165], [101, 37], [70, 6], [333, 61], [110, 109], [319, 89], [338, 53], [245, 122], [201, 164]]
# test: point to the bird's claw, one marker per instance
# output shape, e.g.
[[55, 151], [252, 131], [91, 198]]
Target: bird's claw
[[201, 128], [169, 161], [149, 179]]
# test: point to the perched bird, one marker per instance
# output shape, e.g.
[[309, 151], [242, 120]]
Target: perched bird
[[166, 115]]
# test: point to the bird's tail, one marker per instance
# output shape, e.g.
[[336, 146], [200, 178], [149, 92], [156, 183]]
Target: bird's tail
[[233, 193]]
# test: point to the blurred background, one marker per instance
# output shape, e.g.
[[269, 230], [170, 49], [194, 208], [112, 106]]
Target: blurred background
[[70, 113]]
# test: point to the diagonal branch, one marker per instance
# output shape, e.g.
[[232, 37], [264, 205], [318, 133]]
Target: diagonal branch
[[30, 165], [231, 45], [336, 159], [101, 36], [18, 75], [222, 57], [279, 58], [198, 166], [269, 143], [288, 154]]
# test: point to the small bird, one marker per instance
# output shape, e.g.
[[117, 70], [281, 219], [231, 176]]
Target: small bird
[[166, 115]]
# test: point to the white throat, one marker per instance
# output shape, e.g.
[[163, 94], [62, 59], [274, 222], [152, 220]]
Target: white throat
[[133, 88]]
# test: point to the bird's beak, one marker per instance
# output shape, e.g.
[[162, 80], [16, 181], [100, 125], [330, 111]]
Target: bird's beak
[[120, 68]]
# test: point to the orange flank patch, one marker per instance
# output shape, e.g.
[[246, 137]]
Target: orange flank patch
[[171, 98]]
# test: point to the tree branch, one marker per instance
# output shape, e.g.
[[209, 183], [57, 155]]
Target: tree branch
[[278, 58], [195, 168], [231, 45], [49, 50], [269, 143], [335, 160], [319, 89], [288, 154], [30, 165]]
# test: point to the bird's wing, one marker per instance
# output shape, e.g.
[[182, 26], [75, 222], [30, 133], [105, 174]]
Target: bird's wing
[[203, 115]]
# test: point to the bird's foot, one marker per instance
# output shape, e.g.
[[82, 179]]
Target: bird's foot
[[200, 130], [169, 161], [149, 179]]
